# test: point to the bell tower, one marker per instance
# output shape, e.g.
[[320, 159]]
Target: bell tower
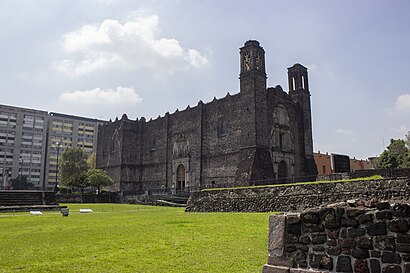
[[255, 163], [253, 93], [252, 57], [253, 75], [300, 95]]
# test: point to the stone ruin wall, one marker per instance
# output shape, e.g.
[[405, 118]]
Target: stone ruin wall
[[296, 198], [341, 238], [386, 173]]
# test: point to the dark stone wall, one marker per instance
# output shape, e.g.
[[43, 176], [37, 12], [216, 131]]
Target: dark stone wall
[[295, 154], [187, 125], [220, 153], [154, 163], [109, 151], [237, 140], [355, 238], [295, 198]]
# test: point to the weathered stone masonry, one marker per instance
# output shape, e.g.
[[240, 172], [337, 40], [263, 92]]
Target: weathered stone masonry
[[297, 198], [260, 135], [341, 239]]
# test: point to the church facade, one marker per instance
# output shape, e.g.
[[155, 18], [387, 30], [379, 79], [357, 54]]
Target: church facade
[[259, 136]]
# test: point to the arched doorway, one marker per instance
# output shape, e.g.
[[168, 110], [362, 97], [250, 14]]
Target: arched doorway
[[180, 177], [282, 171]]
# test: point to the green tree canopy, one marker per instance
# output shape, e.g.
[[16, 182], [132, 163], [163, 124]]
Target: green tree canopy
[[73, 167], [20, 183], [98, 178], [396, 155], [91, 161]]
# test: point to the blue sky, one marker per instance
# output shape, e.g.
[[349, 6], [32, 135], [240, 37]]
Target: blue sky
[[104, 58]]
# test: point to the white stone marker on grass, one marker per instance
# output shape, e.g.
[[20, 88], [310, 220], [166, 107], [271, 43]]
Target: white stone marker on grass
[[86, 210], [36, 212]]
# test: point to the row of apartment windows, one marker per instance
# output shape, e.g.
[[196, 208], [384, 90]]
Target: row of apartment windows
[[65, 131], [7, 114], [4, 139], [6, 151], [71, 123], [28, 170], [29, 135], [29, 146], [8, 120], [9, 162]]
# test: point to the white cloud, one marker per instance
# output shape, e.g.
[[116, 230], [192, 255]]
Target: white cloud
[[97, 97], [403, 103], [93, 61], [344, 132], [85, 38], [195, 58], [132, 44]]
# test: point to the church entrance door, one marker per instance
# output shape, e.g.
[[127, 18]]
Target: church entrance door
[[282, 172], [181, 177]]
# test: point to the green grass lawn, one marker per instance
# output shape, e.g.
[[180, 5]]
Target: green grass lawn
[[133, 238]]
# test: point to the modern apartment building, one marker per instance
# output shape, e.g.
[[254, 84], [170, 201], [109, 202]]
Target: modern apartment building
[[31, 141], [23, 134], [68, 131]]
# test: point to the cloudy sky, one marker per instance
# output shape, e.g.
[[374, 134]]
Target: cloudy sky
[[101, 59]]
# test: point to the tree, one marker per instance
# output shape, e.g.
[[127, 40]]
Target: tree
[[91, 161], [20, 183], [73, 168], [396, 155], [98, 178]]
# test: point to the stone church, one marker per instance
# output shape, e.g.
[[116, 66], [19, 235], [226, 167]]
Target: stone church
[[259, 136]]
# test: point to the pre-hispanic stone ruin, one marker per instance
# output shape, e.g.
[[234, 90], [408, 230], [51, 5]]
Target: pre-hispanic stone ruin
[[364, 236], [260, 135]]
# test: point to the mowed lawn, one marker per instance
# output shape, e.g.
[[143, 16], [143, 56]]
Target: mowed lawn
[[133, 238]]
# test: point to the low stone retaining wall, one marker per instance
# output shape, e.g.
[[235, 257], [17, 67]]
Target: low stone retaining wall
[[341, 239], [386, 173], [296, 198], [110, 197], [27, 198]]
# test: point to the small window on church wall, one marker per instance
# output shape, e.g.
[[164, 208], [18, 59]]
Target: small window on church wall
[[303, 82], [222, 127], [293, 83]]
